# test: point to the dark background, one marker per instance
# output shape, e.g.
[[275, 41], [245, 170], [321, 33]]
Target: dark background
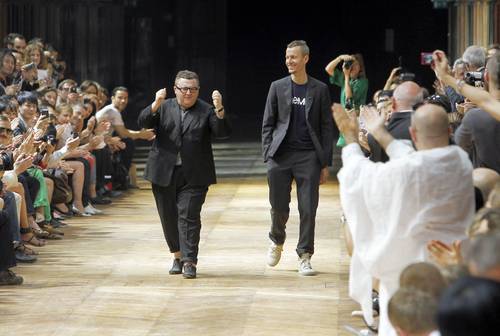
[[237, 47], [257, 39]]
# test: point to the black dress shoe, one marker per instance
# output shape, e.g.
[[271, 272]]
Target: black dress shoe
[[176, 267], [189, 271], [8, 277]]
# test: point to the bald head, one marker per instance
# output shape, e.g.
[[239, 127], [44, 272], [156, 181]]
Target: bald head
[[429, 127], [406, 95], [485, 180]]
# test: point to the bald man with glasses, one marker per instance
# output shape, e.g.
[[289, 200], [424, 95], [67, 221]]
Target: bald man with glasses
[[180, 164]]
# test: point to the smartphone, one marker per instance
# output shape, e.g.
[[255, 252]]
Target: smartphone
[[44, 112], [426, 58]]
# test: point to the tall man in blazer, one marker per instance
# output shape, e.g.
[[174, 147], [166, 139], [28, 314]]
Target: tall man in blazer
[[180, 164], [297, 137]]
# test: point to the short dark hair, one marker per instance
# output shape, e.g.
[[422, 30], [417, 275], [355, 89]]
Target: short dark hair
[[4, 53], [187, 74], [299, 43], [9, 39], [470, 306], [118, 88], [27, 96], [3, 106]]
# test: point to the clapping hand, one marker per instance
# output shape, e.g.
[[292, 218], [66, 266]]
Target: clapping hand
[[444, 254], [348, 125], [372, 119]]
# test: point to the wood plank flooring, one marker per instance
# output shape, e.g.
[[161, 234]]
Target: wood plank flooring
[[109, 276]]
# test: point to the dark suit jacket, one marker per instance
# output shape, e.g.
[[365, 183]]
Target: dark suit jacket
[[318, 116], [398, 127], [193, 142]]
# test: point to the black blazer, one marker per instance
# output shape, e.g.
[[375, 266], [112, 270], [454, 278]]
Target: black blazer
[[318, 116], [193, 142]]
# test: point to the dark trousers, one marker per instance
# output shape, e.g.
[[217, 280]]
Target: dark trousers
[[31, 187], [304, 168], [7, 256], [179, 206], [10, 209], [104, 167]]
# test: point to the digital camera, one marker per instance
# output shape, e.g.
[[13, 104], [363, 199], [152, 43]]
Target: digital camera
[[475, 78], [347, 64]]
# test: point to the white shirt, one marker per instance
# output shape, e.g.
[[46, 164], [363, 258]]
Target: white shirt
[[111, 114], [393, 209]]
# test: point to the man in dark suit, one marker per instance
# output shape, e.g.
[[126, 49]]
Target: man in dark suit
[[180, 164], [297, 137], [405, 97]]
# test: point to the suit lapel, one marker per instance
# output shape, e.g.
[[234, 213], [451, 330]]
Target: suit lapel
[[287, 92], [309, 98]]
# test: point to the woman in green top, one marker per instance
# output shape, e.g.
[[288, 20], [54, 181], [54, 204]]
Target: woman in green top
[[352, 81]]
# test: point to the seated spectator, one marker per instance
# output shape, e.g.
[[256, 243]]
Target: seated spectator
[[412, 312], [34, 53], [7, 68], [394, 208], [405, 96], [470, 306]]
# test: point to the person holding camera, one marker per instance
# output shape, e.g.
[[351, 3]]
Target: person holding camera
[[351, 80], [479, 132]]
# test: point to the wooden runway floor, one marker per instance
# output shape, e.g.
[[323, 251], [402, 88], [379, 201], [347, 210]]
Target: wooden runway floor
[[109, 276]]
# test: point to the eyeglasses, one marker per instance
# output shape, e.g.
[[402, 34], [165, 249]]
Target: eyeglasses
[[6, 130], [186, 89]]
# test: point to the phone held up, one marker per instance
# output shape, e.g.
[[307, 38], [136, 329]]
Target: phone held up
[[426, 58]]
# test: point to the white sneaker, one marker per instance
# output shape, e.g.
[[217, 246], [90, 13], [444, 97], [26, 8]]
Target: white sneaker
[[274, 254], [305, 267]]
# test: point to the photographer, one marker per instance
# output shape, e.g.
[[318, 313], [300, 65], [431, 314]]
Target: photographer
[[479, 133], [351, 80]]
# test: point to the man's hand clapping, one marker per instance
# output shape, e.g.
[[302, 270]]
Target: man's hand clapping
[[348, 125]]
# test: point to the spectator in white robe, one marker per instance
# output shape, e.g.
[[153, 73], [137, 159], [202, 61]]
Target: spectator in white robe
[[393, 209]]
